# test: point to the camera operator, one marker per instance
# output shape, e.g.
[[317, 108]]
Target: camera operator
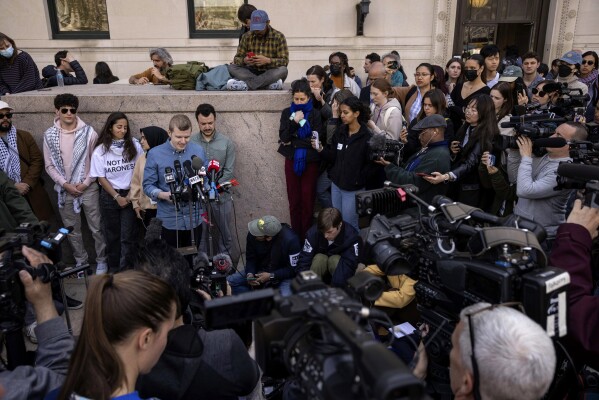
[[55, 344], [499, 353], [14, 209], [272, 250], [196, 364], [434, 156], [331, 248], [535, 179], [572, 252]]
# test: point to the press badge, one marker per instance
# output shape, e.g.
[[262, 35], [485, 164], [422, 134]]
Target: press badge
[[339, 146]]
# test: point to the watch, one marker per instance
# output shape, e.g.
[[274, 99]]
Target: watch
[[272, 277]]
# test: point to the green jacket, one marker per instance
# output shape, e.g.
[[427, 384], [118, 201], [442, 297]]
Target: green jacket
[[14, 209]]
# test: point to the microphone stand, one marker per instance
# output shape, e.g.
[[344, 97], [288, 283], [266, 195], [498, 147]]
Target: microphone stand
[[193, 248]]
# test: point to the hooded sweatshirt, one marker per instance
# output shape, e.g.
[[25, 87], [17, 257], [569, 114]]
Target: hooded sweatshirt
[[391, 126], [574, 83]]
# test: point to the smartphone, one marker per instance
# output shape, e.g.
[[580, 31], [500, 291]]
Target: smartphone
[[491, 160], [251, 54], [393, 65], [424, 174], [251, 278]]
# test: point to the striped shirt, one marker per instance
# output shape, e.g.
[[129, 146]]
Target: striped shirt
[[273, 45], [20, 76]]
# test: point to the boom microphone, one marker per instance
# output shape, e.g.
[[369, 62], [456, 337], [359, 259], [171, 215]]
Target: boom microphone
[[377, 142], [222, 262], [550, 142], [154, 230], [578, 171]]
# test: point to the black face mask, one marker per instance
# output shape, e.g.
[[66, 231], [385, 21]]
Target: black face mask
[[564, 71], [335, 70], [470, 75]]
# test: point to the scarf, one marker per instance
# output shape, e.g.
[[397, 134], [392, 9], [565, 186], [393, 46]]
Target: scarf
[[590, 79], [416, 106], [9, 154], [52, 139], [303, 132]]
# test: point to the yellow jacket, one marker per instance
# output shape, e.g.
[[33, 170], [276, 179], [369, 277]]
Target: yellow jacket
[[402, 293]]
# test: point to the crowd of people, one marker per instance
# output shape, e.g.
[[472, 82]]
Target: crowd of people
[[137, 338]]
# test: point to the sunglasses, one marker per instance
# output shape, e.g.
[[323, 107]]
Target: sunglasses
[[7, 115], [588, 62], [539, 92], [67, 110]]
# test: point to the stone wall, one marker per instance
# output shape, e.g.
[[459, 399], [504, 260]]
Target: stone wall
[[250, 119]]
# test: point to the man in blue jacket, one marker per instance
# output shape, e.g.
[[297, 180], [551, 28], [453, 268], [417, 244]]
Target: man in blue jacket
[[66, 64], [272, 250], [331, 248]]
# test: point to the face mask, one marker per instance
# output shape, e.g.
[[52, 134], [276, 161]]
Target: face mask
[[7, 53], [563, 71], [470, 74], [336, 70]]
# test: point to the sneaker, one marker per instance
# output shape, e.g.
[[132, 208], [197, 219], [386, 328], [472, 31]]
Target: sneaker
[[29, 331], [101, 268], [73, 304], [278, 85], [234, 84]]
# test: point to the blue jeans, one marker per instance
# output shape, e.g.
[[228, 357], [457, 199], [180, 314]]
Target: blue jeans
[[323, 190], [345, 201], [239, 284]]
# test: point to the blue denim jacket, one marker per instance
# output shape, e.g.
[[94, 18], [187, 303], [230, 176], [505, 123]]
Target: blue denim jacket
[[158, 159]]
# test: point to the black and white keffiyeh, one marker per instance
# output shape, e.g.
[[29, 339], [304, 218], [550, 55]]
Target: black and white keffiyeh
[[52, 139], [9, 154]]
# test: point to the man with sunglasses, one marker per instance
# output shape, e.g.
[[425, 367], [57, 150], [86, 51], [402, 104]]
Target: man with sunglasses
[[23, 162], [68, 146], [499, 353]]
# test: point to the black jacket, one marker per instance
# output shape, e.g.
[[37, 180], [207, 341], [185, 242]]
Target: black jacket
[[288, 133], [347, 245], [279, 256], [365, 95], [49, 74], [348, 155]]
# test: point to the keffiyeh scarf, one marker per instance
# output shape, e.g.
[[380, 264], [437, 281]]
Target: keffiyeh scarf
[[9, 154]]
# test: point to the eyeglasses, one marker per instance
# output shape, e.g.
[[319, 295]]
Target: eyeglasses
[[539, 92], [588, 62], [67, 110], [7, 115], [473, 356], [420, 75]]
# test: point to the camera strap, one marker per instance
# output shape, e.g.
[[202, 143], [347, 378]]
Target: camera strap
[[490, 237]]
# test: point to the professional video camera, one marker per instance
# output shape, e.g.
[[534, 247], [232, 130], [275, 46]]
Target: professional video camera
[[536, 127], [211, 277], [461, 255], [389, 149], [316, 336], [584, 152], [12, 294], [580, 177], [570, 99]]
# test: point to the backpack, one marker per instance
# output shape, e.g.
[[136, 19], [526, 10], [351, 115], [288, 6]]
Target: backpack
[[183, 76], [388, 112]]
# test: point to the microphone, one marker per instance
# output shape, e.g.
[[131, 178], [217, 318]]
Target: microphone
[[227, 184], [169, 177], [550, 142], [178, 171], [154, 230], [213, 168], [196, 162], [578, 171], [222, 263], [377, 142]]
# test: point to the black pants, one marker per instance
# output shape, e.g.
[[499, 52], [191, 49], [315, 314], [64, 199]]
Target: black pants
[[184, 239], [120, 230]]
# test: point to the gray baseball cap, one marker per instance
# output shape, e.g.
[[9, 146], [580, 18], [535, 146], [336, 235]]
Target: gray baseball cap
[[432, 121], [511, 73], [265, 226]]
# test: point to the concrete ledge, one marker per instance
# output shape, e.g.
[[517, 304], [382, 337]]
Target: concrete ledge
[[250, 119]]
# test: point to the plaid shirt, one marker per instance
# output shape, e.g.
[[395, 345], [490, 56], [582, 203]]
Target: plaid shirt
[[273, 45]]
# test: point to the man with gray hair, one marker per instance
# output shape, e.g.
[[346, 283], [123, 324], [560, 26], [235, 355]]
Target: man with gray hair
[[156, 74], [500, 354]]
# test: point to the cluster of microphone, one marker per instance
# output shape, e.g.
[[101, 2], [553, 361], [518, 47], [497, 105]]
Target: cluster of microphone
[[194, 182]]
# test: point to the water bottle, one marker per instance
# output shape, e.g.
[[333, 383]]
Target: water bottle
[[59, 78]]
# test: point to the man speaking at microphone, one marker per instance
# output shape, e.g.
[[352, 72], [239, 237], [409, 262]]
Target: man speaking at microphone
[[168, 157], [220, 148]]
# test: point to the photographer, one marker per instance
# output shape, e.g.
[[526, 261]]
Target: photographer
[[195, 363], [572, 252], [55, 342], [535, 179], [331, 248], [434, 156]]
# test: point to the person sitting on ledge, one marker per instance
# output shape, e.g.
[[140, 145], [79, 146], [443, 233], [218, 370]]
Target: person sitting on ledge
[[66, 64], [261, 59], [155, 75]]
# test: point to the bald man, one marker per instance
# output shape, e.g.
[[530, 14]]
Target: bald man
[[376, 71]]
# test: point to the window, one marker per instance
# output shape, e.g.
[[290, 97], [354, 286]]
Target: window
[[78, 19], [214, 18]]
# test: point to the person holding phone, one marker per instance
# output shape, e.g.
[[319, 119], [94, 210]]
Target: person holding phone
[[433, 156], [513, 75]]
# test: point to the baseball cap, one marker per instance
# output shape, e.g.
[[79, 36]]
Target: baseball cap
[[258, 20], [511, 73], [432, 121], [265, 226], [572, 57], [4, 105]]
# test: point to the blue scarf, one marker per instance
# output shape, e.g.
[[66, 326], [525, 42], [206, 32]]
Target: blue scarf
[[303, 132]]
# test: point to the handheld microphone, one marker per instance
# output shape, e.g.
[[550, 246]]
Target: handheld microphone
[[578, 171], [196, 162], [213, 168], [550, 142], [178, 171], [169, 177], [227, 184]]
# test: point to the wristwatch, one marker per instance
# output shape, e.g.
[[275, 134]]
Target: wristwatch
[[272, 277]]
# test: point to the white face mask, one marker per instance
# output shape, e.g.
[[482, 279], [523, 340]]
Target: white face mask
[[7, 53]]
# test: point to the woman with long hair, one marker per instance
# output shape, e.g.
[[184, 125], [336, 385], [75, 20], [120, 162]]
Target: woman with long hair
[[18, 71], [113, 162], [321, 87], [474, 85], [472, 139], [124, 331], [302, 162], [144, 207], [453, 73], [386, 116], [104, 74], [348, 153], [411, 97]]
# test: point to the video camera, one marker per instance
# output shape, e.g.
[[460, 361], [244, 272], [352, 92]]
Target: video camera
[[317, 336], [580, 177], [382, 147], [12, 293], [535, 127], [211, 277], [461, 255]]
